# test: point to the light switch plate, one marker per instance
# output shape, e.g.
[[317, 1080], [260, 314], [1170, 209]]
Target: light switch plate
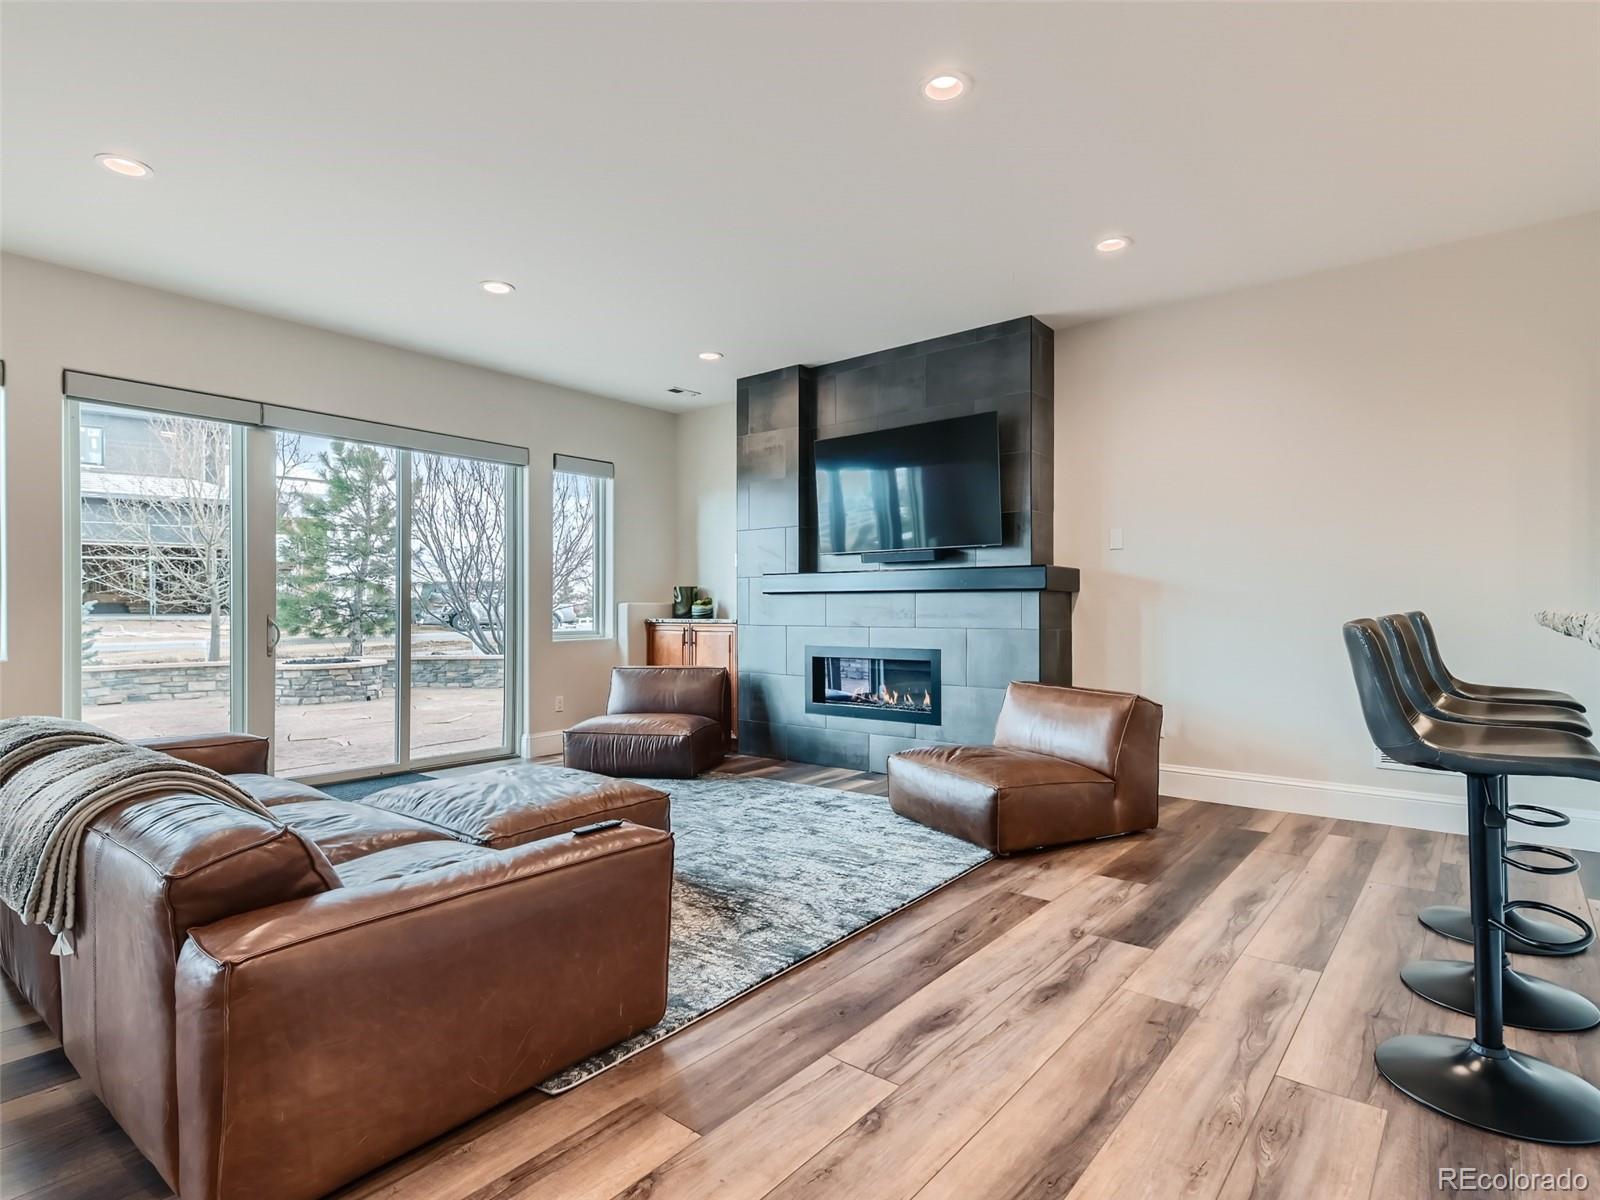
[[1114, 541]]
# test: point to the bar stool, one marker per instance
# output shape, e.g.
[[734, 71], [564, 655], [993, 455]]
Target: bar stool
[[1479, 1080], [1530, 1002], [1479, 691], [1412, 644]]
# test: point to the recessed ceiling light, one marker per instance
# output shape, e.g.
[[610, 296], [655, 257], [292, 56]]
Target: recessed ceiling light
[[945, 86], [711, 355], [121, 164], [497, 287], [1116, 243]]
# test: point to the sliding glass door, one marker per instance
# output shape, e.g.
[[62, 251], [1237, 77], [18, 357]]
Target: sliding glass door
[[334, 679], [459, 517], [346, 588], [394, 606]]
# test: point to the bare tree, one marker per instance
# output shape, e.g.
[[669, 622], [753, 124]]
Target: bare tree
[[174, 537], [572, 544], [458, 533], [294, 452]]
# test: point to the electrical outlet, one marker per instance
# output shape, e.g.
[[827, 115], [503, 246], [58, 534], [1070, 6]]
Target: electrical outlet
[[1114, 540], [561, 704]]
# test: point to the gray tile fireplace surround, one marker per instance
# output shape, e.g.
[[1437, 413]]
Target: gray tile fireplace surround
[[985, 640], [995, 614]]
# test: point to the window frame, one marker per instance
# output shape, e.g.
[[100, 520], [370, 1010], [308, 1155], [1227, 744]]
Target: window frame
[[603, 630]]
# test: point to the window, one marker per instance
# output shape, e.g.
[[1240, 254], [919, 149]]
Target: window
[[373, 627], [580, 548], [155, 555]]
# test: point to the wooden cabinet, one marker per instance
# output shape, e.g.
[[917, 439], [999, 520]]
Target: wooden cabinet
[[675, 644], [667, 646]]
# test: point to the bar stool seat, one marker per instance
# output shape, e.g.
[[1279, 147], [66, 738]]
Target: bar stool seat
[[1425, 693], [1479, 691]]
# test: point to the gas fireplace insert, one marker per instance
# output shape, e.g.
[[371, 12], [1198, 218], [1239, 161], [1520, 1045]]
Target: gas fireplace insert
[[873, 683]]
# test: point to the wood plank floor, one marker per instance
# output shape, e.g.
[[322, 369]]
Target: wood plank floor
[[1189, 1012]]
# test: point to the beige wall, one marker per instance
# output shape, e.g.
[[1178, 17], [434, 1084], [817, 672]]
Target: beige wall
[[707, 487], [52, 318], [1419, 432]]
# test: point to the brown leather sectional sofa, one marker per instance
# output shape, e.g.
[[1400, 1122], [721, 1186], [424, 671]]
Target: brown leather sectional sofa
[[270, 1012]]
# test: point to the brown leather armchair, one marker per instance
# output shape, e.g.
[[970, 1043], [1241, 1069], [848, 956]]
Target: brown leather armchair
[[669, 722], [1067, 765], [273, 1009]]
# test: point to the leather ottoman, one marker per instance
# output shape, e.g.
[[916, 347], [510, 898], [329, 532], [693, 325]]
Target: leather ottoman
[[510, 806]]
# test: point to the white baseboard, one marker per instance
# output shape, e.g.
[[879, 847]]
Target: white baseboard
[[540, 744], [1354, 802]]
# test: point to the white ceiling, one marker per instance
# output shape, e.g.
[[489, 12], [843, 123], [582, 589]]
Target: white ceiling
[[766, 180]]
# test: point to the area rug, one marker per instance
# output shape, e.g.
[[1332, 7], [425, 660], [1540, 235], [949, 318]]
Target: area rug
[[359, 789], [769, 874]]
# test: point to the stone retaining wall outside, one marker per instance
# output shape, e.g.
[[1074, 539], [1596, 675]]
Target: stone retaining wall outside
[[295, 683]]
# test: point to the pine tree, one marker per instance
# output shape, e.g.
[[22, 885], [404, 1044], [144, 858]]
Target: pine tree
[[339, 550]]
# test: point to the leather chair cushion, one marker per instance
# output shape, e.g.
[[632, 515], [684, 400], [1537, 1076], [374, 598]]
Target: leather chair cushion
[[675, 745], [510, 806], [1000, 798], [209, 859], [1080, 724], [401, 862], [272, 791], [696, 691], [345, 829], [645, 725], [224, 753]]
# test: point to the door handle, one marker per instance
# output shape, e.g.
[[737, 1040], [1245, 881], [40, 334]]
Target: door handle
[[274, 635]]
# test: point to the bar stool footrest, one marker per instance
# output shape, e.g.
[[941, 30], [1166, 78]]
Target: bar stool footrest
[[1569, 946], [1566, 864], [1560, 819], [1524, 935]]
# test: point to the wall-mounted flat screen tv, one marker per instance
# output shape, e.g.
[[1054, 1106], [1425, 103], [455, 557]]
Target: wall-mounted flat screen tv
[[918, 487]]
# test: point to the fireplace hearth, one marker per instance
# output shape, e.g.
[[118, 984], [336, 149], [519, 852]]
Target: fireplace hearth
[[886, 684]]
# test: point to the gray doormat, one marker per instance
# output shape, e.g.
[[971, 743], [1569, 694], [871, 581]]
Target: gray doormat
[[769, 874]]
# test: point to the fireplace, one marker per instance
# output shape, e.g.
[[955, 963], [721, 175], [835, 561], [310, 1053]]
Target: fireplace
[[876, 684]]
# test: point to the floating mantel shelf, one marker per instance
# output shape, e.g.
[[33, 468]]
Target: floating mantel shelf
[[927, 579]]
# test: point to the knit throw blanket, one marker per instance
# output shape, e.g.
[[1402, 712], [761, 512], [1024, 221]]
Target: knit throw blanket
[[56, 777]]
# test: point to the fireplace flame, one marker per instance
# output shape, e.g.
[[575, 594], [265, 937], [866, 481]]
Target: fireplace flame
[[888, 697]]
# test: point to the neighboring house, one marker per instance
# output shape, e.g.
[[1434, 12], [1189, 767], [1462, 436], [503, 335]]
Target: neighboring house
[[155, 505]]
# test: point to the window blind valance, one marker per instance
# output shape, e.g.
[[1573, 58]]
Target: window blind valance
[[127, 393], [573, 465]]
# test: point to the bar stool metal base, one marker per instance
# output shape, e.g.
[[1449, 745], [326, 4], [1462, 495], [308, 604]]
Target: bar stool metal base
[[1454, 922], [1516, 1095], [1530, 1002]]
